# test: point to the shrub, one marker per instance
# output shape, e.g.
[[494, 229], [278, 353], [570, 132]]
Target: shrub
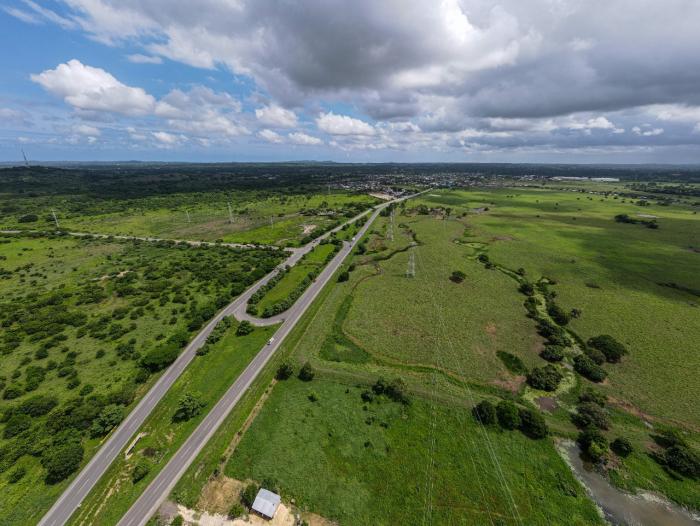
[[508, 415], [588, 368], [457, 276], [15, 425], [236, 511], [485, 413], [595, 355], [248, 494], [622, 447], [307, 373], [244, 328], [177, 521], [396, 390], [590, 395], [28, 218], [312, 396], [553, 353], [108, 419], [38, 405], [558, 314], [367, 396], [527, 288], [62, 460], [609, 346], [513, 363], [16, 475], [593, 444], [284, 371], [188, 407], [590, 414], [343, 276], [141, 469], [160, 357], [532, 424], [683, 460], [546, 378]]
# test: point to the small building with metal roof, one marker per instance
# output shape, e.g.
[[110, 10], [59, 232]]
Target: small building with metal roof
[[266, 503]]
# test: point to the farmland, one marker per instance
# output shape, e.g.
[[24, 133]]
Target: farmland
[[87, 325]]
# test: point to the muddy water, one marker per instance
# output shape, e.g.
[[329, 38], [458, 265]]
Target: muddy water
[[621, 508]]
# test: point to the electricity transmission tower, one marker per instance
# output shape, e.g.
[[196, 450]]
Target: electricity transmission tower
[[26, 162], [188, 216], [411, 270], [230, 213]]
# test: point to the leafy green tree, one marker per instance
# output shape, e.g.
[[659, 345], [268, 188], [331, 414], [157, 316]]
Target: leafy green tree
[[545, 378], [236, 511], [188, 407], [622, 447], [244, 328], [17, 474], [284, 371], [62, 460], [527, 289], [589, 369], [683, 460], [306, 373], [593, 444], [343, 276], [558, 314], [457, 276], [591, 395], [17, 424], [108, 419], [248, 494], [590, 414], [532, 424], [553, 353], [609, 346], [485, 413], [508, 415]]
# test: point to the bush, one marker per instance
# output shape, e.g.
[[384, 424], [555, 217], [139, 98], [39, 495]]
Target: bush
[[593, 444], [558, 314], [306, 373], [15, 425], [457, 276], [177, 521], [244, 328], [589, 369], [312, 396], [16, 475], [590, 414], [108, 419], [590, 395], [343, 276], [160, 357], [188, 407], [609, 346], [532, 424], [508, 415], [545, 378], [236, 511], [248, 494], [527, 288], [38, 405], [141, 469], [553, 353], [485, 413], [595, 355], [396, 390], [62, 460], [28, 218], [622, 447], [284, 371], [683, 460]]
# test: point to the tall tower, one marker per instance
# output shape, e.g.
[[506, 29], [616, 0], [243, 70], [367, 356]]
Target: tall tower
[[230, 213], [411, 270]]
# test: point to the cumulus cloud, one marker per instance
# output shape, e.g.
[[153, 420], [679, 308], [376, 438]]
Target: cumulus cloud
[[343, 125], [138, 58], [271, 136], [303, 139], [86, 129], [168, 139], [276, 116], [94, 89]]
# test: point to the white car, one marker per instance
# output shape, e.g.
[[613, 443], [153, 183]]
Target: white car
[[269, 342]]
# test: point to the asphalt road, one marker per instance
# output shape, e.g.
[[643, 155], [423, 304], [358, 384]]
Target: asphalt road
[[73, 495], [149, 501]]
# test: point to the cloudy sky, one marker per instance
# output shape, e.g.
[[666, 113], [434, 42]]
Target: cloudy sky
[[360, 80]]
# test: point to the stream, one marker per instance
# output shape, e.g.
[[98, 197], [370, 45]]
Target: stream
[[622, 508]]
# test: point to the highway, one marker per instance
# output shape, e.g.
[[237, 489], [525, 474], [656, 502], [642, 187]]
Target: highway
[[149, 501]]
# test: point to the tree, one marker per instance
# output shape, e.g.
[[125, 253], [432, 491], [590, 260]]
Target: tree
[[558, 314], [553, 353], [236, 511], [683, 460], [595, 355], [485, 413], [306, 373], [590, 414], [343, 276], [545, 378], [249, 493], [591, 395], [244, 328], [508, 415], [588, 368], [15, 425], [108, 418], [609, 346], [396, 390], [16, 475], [527, 289], [62, 460], [593, 444], [532, 424], [188, 407], [284, 371], [622, 447], [457, 276]]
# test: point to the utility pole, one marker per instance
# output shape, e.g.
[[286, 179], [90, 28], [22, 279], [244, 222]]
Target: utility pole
[[230, 213], [411, 270], [187, 212], [55, 219]]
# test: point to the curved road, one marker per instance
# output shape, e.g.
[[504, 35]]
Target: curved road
[[158, 490]]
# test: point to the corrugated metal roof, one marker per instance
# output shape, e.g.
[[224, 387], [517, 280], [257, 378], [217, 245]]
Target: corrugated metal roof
[[266, 503]]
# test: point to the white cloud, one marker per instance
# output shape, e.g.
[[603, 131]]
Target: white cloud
[[276, 116], [271, 136], [343, 125], [94, 89], [647, 131], [138, 58], [168, 139], [85, 129], [304, 139]]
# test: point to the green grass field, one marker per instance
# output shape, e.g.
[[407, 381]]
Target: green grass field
[[207, 378]]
